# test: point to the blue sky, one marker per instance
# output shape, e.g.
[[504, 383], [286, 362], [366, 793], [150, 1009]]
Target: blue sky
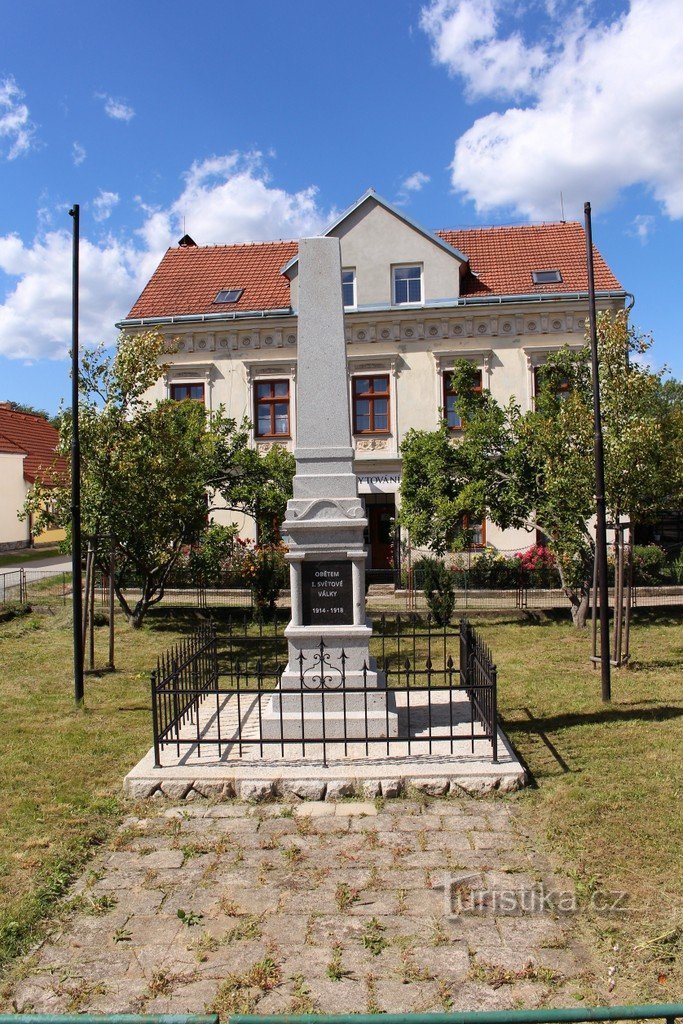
[[264, 120]]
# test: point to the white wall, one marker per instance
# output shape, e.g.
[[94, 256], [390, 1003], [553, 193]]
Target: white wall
[[12, 495]]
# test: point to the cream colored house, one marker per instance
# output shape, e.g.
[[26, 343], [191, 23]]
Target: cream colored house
[[415, 301], [27, 451]]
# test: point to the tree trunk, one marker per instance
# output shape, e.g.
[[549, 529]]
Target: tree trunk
[[579, 604]]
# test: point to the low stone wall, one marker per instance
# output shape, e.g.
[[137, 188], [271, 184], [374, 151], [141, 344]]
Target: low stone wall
[[258, 790]]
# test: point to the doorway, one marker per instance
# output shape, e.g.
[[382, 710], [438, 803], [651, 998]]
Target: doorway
[[381, 531]]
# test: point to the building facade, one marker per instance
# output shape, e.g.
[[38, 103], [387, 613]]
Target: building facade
[[414, 300], [28, 445]]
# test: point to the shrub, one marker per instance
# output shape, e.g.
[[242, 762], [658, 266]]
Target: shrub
[[650, 565], [438, 584], [209, 560], [265, 571], [494, 571]]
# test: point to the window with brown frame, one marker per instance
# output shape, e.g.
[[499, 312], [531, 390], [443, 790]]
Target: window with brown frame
[[449, 397], [477, 532], [371, 404], [271, 408], [182, 392], [563, 388]]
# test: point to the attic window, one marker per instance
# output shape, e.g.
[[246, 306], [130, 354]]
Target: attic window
[[546, 276], [229, 295]]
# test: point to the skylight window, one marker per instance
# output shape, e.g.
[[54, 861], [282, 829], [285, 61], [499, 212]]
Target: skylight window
[[229, 295], [546, 276]]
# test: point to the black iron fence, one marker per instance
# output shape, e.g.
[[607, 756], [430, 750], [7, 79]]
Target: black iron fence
[[426, 690], [183, 675]]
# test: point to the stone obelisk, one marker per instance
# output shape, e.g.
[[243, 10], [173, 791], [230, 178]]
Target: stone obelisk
[[324, 530]]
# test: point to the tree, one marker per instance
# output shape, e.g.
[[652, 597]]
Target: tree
[[150, 471], [257, 485], [535, 470]]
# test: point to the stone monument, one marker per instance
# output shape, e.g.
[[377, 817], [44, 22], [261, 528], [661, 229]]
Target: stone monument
[[324, 529]]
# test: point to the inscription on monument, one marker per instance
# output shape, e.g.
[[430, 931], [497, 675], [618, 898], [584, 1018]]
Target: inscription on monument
[[327, 594]]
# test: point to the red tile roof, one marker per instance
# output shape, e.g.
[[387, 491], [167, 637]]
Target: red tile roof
[[33, 435], [188, 278], [503, 258]]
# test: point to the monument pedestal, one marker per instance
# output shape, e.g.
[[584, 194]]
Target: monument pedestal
[[330, 687]]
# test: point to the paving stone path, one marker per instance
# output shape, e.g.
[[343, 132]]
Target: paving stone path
[[314, 908]]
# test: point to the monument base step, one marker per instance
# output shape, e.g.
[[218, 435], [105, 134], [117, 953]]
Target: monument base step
[[355, 725]]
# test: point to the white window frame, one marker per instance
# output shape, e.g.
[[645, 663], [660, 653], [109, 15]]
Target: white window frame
[[352, 271], [407, 266]]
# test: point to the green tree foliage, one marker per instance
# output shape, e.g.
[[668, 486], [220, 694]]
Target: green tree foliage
[[150, 471], [535, 470]]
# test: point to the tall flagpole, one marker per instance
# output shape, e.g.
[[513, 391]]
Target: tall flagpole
[[77, 596], [601, 512]]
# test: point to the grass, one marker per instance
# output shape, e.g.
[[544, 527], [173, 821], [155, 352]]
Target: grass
[[605, 806], [62, 766], [609, 780]]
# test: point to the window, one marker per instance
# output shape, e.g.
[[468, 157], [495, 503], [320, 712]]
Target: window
[[562, 387], [449, 397], [349, 288], [546, 276], [229, 295], [182, 392], [477, 532], [407, 284], [272, 408], [371, 405]]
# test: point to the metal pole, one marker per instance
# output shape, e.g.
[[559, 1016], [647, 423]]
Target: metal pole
[[112, 570], [601, 512], [77, 598]]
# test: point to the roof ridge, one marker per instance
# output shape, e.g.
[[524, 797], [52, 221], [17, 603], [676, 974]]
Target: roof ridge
[[21, 412], [234, 245], [512, 227]]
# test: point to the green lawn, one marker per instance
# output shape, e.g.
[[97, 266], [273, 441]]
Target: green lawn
[[607, 802], [609, 799], [27, 555]]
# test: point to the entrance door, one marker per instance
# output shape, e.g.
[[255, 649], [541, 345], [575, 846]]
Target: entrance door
[[381, 531]]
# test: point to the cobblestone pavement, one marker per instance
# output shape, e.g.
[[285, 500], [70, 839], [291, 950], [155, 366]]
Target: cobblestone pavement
[[317, 908]]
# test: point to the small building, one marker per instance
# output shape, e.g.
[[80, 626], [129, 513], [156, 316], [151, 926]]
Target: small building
[[28, 447], [414, 300]]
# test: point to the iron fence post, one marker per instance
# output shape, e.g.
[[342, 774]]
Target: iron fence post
[[155, 721], [494, 713]]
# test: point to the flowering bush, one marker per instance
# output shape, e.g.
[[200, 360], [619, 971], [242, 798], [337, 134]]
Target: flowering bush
[[539, 566]]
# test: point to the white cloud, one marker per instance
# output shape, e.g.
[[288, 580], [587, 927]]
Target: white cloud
[[15, 123], [117, 109], [78, 154], [415, 182], [464, 36], [224, 199], [642, 226], [603, 109], [103, 204]]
